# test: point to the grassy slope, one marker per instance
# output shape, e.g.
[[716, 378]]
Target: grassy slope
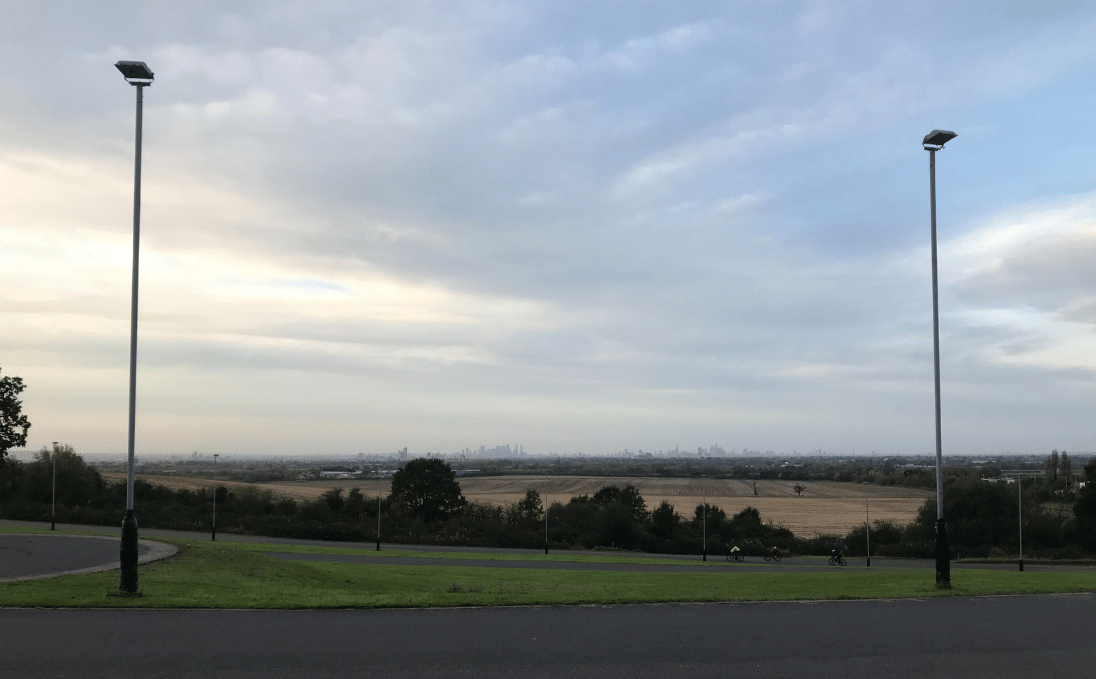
[[237, 575]]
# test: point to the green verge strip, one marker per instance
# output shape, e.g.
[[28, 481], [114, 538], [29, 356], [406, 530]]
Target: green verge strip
[[563, 557], [228, 575]]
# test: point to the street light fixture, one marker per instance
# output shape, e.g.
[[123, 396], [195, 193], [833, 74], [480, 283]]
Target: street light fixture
[[140, 76], [933, 142], [53, 505]]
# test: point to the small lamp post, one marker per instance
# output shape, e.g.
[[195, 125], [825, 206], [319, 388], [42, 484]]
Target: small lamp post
[[545, 512], [704, 527], [1020, 515], [140, 76], [933, 142], [215, 455], [53, 507], [867, 523]]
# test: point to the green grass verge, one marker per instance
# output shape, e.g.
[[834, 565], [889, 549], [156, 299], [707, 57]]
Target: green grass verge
[[236, 575]]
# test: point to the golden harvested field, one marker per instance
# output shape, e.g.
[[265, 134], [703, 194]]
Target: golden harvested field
[[825, 506]]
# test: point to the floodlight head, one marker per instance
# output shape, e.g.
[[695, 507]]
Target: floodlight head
[[135, 72], [937, 138]]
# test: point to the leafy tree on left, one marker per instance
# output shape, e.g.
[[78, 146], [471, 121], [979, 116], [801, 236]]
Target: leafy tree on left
[[13, 423]]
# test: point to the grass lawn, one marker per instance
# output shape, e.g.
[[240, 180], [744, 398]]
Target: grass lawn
[[238, 575]]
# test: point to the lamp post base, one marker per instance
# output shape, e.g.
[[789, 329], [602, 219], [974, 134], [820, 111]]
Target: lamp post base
[[943, 556], [128, 579]]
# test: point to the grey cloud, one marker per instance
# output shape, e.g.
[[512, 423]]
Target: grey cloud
[[1053, 275]]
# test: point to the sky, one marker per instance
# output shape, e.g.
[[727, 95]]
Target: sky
[[579, 227]]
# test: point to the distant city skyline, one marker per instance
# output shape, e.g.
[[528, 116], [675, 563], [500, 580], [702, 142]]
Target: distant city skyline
[[585, 227]]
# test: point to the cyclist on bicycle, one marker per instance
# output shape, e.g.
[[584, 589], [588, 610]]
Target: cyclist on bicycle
[[774, 551]]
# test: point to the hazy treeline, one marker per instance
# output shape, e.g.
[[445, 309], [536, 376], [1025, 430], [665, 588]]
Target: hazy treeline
[[915, 472], [426, 506]]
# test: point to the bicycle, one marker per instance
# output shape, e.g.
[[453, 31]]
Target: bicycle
[[838, 560], [773, 556], [735, 556]]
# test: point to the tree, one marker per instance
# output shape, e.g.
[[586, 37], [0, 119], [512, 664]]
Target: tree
[[528, 511], [714, 517], [333, 497], [11, 418], [630, 498], [665, 520], [77, 484], [427, 489], [355, 503], [1066, 466], [799, 488], [747, 523]]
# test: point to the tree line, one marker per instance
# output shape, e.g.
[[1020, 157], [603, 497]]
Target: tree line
[[426, 506]]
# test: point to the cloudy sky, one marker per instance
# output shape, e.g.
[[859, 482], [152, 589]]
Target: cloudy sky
[[575, 226]]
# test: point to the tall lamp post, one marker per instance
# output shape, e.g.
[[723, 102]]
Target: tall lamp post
[[933, 142], [53, 508], [137, 74]]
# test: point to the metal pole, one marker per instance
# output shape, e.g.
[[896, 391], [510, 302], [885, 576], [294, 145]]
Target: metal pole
[[1020, 513], [378, 520], [215, 496], [128, 578], [53, 507], [943, 557], [704, 527], [867, 524], [545, 512]]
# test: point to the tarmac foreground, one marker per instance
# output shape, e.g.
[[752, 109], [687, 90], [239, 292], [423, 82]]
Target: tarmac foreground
[[958, 638]]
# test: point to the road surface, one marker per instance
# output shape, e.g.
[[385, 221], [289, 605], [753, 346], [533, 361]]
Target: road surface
[[1043, 636]]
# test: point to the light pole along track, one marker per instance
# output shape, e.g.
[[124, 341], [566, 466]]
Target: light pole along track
[[137, 74]]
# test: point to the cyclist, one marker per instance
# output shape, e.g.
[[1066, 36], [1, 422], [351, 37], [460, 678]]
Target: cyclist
[[774, 551]]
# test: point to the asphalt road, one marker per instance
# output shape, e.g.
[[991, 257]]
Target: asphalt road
[[1045, 636], [28, 556]]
